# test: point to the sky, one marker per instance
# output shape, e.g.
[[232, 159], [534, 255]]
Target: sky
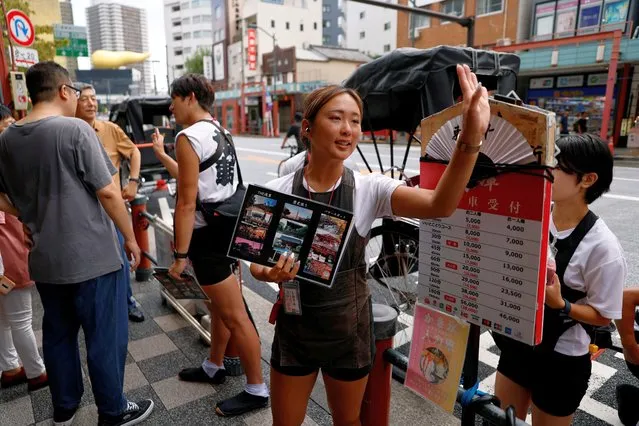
[[157, 40]]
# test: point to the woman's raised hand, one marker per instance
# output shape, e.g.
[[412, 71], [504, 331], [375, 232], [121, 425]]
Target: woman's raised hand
[[476, 110]]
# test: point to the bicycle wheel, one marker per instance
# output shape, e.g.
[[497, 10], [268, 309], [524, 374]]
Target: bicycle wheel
[[392, 255], [279, 167]]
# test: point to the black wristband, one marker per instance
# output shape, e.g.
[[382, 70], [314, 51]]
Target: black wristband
[[178, 255], [136, 180]]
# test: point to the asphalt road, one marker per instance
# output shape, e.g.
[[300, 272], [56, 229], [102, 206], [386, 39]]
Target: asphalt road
[[259, 159]]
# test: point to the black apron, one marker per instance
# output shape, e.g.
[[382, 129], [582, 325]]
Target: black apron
[[335, 328], [557, 323]]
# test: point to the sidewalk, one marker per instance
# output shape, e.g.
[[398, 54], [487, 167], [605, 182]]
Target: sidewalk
[[626, 154], [159, 348]]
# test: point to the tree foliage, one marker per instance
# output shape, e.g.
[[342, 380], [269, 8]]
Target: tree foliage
[[195, 63], [45, 48]]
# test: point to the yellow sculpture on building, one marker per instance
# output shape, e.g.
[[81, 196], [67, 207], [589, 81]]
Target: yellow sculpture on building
[[109, 59]]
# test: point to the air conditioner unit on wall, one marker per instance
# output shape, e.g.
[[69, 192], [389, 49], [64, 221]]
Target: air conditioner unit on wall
[[503, 42]]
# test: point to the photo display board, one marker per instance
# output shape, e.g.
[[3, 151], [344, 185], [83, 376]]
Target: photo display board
[[487, 262], [272, 223]]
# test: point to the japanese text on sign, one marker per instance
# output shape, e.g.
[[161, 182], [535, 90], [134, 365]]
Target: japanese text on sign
[[252, 49]]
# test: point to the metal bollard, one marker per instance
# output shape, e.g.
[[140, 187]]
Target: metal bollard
[[141, 230], [376, 404]]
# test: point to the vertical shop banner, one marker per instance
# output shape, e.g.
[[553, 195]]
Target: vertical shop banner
[[566, 17], [437, 356], [218, 61], [487, 262], [252, 49], [615, 12]]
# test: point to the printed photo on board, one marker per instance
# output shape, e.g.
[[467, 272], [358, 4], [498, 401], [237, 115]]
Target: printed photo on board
[[251, 231], [291, 231], [326, 242]]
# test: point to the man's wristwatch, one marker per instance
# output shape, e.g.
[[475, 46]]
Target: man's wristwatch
[[136, 180], [567, 307], [178, 255], [467, 148]]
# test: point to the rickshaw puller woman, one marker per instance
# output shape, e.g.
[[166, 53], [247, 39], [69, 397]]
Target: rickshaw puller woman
[[334, 332]]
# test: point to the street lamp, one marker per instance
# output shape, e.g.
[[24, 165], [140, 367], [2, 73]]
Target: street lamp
[[255, 26]]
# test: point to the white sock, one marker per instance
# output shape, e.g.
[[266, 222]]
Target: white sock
[[257, 390], [211, 368]]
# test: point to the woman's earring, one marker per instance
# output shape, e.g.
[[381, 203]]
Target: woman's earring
[[308, 129]]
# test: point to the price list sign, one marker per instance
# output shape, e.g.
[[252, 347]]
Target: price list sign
[[487, 262], [484, 262]]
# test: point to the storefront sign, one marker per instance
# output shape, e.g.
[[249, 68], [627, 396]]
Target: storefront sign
[[590, 14], [545, 19], [252, 49], [615, 12], [542, 82], [570, 81], [598, 79], [566, 17], [218, 61]]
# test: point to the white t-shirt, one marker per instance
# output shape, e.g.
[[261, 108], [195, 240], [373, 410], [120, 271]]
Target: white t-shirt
[[598, 268], [215, 183], [296, 162], [372, 197]]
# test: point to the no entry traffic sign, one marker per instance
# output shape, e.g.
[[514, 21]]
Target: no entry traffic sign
[[20, 28]]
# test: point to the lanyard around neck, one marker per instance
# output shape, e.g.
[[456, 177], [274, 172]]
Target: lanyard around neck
[[308, 189]]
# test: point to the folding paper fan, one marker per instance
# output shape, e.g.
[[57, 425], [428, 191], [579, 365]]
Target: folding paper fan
[[518, 137]]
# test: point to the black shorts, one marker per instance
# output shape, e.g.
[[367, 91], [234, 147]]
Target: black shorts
[[206, 253], [341, 374], [557, 382]]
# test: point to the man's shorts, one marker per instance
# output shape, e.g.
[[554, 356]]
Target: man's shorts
[[205, 252], [556, 381]]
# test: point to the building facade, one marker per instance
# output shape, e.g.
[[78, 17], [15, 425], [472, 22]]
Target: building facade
[[49, 12], [333, 23], [66, 17], [188, 26], [117, 27], [370, 29]]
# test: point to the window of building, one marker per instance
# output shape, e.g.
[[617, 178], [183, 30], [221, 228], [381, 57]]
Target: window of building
[[340, 20], [220, 34], [207, 18], [340, 40], [420, 21], [175, 8], [187, 50], [362, 34], [272, 23], [452, 7], [197, 3], [207, 34], [326, 8], [387, 26], [326, 40], [177, 37], [327, 23], [314, 25], [288, 26], [387, 48], [186, 36], [218, 12], [186, 21], [185, 5], [488, 6], [362, 14], [179, 67], [178, 52], [197, 34], [197, 19], [301, 26], [177, 23]]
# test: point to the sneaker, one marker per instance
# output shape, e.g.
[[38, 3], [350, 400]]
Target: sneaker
[[63, 416], [42, 381], [199, 375], [7, 381], [240, 404], [135, 314], [627, 396], [132, 415]]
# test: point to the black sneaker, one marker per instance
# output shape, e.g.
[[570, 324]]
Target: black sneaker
[[63, 417], [132, 415], [627, 396], [240, 404], [135, 314], [199, 375]]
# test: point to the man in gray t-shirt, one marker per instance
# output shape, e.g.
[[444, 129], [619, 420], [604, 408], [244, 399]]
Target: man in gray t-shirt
[[59, 182]]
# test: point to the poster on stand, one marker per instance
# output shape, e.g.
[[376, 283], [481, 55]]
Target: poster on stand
[[487, 262], [186, 288], [437, 356], [271, 223]]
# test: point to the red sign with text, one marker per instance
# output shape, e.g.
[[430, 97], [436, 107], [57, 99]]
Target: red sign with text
[[252, 49]]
